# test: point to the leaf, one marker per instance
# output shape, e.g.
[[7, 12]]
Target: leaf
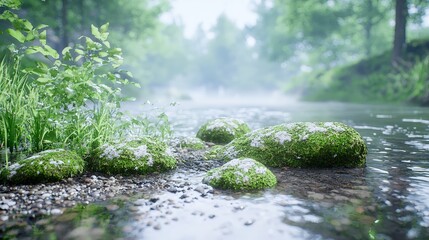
[[34, 49], [41, 26], [51, 52], [129, 74], [16, 34], [43, 80], [106, 43], [79, 51], [97, 59], [30, 37], [90, 43], [27, 25], [66, 50], [104, 28], [78, 58], [95, 32], [103, 54], [42, 37]]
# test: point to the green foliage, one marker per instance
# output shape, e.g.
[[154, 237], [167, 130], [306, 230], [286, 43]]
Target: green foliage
[[14, 4], [322, 34], [71, 99], [375, 79]]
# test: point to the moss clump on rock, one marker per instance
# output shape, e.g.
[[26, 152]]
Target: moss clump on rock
[[192, 143], [303, 144], [222, 130], [141, 156], [47, 166], [241, 174]]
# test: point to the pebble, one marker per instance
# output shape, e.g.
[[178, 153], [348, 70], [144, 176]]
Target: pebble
[[4, 207], [172, 189], [249, 222], [200, 189], [56, 211], [33, 201]]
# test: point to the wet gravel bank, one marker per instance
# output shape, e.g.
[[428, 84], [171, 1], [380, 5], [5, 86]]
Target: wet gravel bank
[[54, 198]]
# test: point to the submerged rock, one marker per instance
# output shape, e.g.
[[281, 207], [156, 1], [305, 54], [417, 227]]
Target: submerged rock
[[241, 174], [192, 143], [142, 156], [46, 166], [222, 130], [303, 144]]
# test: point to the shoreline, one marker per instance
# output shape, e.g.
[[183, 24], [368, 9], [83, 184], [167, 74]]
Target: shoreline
[[54, 198]]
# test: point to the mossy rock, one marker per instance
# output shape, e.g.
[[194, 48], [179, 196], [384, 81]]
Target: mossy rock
[[214, 152], [47, 166], [141, 156], [222, 130], [303, 144], [241, 174], [192, 143]]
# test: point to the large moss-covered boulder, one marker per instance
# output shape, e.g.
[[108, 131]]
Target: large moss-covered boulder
[[141, 156], [241, 174], [303, 144], [222, 130], [192, 143], [46, 166]]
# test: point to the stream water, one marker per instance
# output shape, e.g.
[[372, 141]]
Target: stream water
[[388, 199]]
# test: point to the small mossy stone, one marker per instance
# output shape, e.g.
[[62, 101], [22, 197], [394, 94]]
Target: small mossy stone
[[141, 156], [302, 144], [222, 130], [241, 174], [214, 152], [192, 143], [47, 166]]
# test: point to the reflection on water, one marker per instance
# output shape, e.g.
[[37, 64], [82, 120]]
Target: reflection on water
[[389, 199]]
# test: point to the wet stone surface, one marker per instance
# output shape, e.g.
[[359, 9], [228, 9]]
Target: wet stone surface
[[54, 198]]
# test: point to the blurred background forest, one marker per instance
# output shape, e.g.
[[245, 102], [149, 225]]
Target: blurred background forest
[[360, 51]]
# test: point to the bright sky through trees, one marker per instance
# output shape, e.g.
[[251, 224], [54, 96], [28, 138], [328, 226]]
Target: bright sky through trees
[[193, 12]]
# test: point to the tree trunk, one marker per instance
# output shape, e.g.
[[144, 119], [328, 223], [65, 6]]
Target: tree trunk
[[64, 25], [399, 41]]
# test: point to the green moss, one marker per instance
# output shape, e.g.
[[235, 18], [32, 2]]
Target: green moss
[[189, 143], [301, 145], [241, 174], [142, 156], [214, 152], [46, 166], [222, 130], [374, 79]]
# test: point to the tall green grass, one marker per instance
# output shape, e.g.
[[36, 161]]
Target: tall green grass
[[14, 106]]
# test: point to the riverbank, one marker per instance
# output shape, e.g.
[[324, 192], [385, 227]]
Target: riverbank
[[54, 198]]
